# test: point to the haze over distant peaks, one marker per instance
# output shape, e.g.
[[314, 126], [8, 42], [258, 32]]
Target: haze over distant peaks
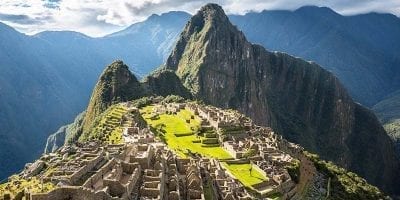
[[54, 72]]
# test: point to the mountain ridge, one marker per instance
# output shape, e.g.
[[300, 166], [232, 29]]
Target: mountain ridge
[[302, 101], [46, 79], [78, 67], [116, 84], [356, 48], [299, 99]]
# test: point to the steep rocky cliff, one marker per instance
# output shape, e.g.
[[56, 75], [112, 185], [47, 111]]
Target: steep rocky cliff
[[65, 134], [299, 99], [164, 82], [56, 140], [116, 84], [388, 112]]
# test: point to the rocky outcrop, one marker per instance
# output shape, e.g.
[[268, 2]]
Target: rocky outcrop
[[299, 99], [372, 147], [165, 82], [55, 140], [65, 135], [388, 112], [116, 84]]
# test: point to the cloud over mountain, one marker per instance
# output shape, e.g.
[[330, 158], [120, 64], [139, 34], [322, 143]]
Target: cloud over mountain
[[100, 17]]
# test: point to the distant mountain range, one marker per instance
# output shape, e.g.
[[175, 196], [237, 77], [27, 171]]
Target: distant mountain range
[[362, 50], [46, 79], [212, 62]]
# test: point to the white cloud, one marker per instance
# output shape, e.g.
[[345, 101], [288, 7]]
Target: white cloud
[[99, 17]]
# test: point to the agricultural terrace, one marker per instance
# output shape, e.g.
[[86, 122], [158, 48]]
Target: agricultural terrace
[[180, 132], [181, 136], [108, 127]]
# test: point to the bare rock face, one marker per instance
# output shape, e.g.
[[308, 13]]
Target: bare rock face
[[164, 82], [65, 134], [299, 99], [55, 140]]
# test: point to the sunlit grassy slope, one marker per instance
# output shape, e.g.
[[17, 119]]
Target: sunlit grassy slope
[[170, 127], [107, 127], [180, 136], [243, 173]]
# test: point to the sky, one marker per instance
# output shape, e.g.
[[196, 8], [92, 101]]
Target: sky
[[100, 17]]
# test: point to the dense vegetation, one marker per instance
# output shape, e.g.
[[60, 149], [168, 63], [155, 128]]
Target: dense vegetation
[[393, 129], [106, 127], [116, 84], [294, 170], [344, 184], [163, 82]]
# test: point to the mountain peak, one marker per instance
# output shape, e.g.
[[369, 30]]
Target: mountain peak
[[116, 84], [117, 65], [212, 10], [210, 14], [312, 10], [171, 15], [65, 36], [209, 27], [218, 66]]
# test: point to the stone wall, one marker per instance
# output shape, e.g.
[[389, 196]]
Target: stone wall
[[133, 180], [100, 173], [72, 192], [85, 169], [116, 189], [151, 192]]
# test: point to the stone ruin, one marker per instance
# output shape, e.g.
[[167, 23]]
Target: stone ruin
[[145, 168]]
